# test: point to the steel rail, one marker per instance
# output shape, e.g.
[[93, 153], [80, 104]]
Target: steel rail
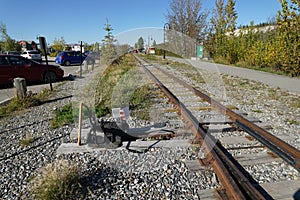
[[233, 190], [285, 151]]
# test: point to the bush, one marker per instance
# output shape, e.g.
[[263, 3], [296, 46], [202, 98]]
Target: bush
[[54, 54]]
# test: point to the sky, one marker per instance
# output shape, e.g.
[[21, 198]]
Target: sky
[[84, 20]]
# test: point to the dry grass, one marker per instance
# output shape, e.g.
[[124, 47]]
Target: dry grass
[[59, 180], [27, 141]]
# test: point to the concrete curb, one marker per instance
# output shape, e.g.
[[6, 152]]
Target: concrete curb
[[6, 101]]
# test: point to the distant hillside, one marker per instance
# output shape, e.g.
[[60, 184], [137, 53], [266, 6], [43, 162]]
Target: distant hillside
[[244, 31]]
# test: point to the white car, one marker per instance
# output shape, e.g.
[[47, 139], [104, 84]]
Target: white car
[[33, 55]]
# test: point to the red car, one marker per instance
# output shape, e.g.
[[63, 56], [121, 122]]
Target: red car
[[12, 66]]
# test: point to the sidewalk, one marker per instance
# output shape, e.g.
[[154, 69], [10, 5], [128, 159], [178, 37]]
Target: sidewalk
[[286, 83]]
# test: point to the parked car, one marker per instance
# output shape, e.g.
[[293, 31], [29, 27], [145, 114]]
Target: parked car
[[69, 57], [12, 66], [12, 52], [34, 55]]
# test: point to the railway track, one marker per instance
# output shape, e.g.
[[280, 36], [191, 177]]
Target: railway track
[[236, 182]]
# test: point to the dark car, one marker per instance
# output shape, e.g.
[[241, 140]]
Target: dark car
[[12, 66], [69, 57], [12, 52]]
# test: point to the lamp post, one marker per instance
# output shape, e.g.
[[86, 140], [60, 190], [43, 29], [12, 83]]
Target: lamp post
[[167, 25]]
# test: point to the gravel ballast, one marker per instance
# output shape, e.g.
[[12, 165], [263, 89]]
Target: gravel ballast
[[160, 173]]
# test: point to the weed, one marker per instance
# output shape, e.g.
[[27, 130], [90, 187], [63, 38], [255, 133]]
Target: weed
[[140, 102], [27, 102], [63, 116], [19, 104], [27, 141], [121, 79], [294, 102], [292, 122], [257, 111], [59, 180]]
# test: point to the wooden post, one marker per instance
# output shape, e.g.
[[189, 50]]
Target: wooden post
[[79, 124], [20, 88]]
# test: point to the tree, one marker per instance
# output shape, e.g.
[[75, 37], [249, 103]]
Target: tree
[[185, 16], [59, 44], [232, 50], [231, 16], [140, 43], [288, 41], [154, 44], [217, 32], [222, 42], [8, 44], [108, 50]]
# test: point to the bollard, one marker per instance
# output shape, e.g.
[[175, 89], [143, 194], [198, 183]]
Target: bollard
[[85, 66], [20, 88]]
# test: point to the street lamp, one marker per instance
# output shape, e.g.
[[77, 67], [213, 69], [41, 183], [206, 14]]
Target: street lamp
[[167, 25]]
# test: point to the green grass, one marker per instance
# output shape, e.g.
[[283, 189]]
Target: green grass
[[19, 104], [63, 116], [27, 102], [292, 121], [140, 102], [118, 87], [108, 80], [59, 180], [121, 85]]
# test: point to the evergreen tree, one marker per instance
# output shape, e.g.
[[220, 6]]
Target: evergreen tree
[[140, 43], [154, 43], [108, 50]]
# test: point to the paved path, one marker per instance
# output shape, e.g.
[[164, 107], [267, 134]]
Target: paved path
[[286, 83]]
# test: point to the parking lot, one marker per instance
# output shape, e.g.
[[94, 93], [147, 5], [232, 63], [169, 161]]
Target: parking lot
[[8, 93]]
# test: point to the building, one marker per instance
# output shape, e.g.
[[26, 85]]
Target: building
[[28, 45], [75, 47]]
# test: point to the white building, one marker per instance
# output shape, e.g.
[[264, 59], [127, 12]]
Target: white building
[[76, 47]]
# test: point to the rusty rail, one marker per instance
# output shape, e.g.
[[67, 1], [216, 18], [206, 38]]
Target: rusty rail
[[287, 152], [235, 183]]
